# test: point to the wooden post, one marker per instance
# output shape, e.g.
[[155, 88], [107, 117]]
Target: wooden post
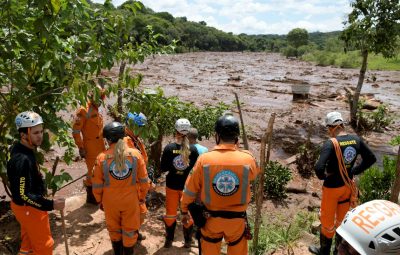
[[64, 232], [394, 196], [267, 138], [244, 136]]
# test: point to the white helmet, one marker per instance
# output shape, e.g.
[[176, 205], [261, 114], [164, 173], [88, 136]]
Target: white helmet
[[333, 119], [183, 126], [373, 228], [28, 119]]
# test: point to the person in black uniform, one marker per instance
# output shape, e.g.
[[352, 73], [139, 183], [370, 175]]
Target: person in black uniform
[[27, 188], [336, 193], [178, 159]]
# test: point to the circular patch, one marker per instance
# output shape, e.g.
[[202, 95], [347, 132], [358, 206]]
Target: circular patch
[[123, 174], [178, 163], [226, 183], [18, 122], [349, 154]]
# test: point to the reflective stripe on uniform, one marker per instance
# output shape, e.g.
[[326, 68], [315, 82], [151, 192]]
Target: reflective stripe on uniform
[[170, 216], [129, 233], [189, 193], [134, 170], [245, 181], [97, 185], [144, 180], [207, 184], [89, 112], [23, 252], [75, 131], [105, 173]]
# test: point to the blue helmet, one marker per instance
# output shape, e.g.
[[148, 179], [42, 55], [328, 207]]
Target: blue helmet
[[138, 119]]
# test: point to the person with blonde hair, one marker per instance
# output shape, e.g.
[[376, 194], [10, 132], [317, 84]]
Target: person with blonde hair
[[178, 159], [120, 184]]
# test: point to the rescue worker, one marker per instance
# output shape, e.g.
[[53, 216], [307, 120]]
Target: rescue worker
[[28, 190], [192, 136], [137, 121], [336, 194], [372, 228], [87, 132], [178, 159], [120, 184], [222, 178]]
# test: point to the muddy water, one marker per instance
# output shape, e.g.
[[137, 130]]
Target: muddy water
[[264, 85]]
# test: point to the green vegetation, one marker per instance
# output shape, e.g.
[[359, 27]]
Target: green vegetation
[[376, 183], [277, 177], [373, 120]]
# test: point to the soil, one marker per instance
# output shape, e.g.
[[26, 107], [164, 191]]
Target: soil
[[264, 84]]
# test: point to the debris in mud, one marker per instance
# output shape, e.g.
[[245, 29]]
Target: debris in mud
[[234, 78]]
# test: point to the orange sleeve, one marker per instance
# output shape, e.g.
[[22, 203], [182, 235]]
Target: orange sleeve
[[98, 178], [142, 178], [192, 186], [77, 127], [143, 150]]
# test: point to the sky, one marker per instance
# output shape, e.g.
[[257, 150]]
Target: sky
[[257, 16]]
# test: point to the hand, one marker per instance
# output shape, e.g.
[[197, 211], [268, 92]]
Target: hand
[[185, 219], [82, 152], [59, 203]]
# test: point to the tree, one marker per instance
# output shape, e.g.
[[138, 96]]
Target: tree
[[297, 37], [394, 196], [371, 27]]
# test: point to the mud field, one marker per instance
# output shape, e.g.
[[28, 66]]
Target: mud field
[[264, 85]]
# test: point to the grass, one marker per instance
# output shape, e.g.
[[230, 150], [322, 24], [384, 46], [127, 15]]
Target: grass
[[277, 233], [352, 59]]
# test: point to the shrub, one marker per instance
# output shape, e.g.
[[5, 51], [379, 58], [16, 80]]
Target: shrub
[[376, 183], [276, 178], [375, 120], [307, 156], [290, 52]]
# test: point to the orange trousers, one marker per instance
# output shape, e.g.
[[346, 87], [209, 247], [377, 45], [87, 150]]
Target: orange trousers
[[35, 230], [332, 210], [173, 197], [143, 212], [89, 164], [230, 229]]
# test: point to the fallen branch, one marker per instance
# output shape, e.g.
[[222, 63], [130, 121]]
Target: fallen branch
[[77, 179], [244, 136]]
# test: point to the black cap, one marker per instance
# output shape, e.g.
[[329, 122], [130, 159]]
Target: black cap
[[114, 131], [227, 127]]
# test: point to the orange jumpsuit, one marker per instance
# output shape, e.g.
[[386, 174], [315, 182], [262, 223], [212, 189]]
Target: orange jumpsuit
[[120, 192], [135, 142], [89, 122], [222, 178]]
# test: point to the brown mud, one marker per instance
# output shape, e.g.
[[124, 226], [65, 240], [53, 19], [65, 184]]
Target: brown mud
[[264, 85]]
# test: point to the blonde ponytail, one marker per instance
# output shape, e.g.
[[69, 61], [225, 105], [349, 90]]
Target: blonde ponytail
[[185, 150], [119, 155]]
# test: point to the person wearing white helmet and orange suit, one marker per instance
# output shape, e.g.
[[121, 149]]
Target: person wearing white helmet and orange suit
[[372, 228], [87, 133], [336, 167], [27, 188], [178, 159], [120, 184], [134, 123], [222, 179]]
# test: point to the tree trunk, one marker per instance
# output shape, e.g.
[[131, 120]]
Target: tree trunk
[[244, 136], [394, 196], [155, 154], [354, 104], [120, 80]]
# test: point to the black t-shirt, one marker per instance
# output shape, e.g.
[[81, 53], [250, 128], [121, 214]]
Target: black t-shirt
[[171, 161], [351, 146], [26, 183]]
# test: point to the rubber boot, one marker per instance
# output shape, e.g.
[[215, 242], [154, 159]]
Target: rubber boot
[[170, 233], [141, 237], [187, 234], [117, 247], [90, 199], [338, 240], [128, 250], [325, 246]]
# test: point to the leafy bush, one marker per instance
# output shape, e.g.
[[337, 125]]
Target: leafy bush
[[290, 52], [307, 156], [375, 120], [376, 183], [276, 178]]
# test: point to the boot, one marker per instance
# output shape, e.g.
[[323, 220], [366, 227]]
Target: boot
[[338, 240], [117, 247], [128, 250], [325, 246], [170, 233], [141, 237], [90, 199], [187, 234]]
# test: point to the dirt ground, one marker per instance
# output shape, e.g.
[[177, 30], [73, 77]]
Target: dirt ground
[[264, 85]]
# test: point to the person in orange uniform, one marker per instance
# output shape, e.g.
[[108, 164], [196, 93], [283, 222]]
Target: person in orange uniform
[[336, 194], [137, 121], [27, 188], [222, 178], [88, 136], [120, 184], [178, 159]]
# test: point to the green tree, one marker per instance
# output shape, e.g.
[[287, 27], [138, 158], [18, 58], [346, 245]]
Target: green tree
[[297, 37], [372, 26]]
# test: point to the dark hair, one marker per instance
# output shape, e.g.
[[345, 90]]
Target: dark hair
[[23, 130], [193, 133]]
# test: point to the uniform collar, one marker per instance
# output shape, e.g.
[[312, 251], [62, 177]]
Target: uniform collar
[[226, 146]]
